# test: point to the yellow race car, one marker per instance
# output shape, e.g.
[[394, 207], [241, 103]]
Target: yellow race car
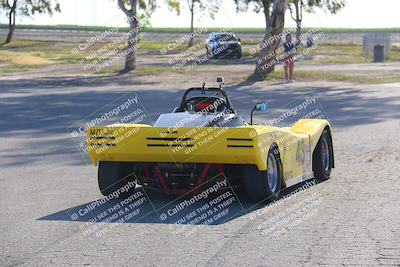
[[204, 142]]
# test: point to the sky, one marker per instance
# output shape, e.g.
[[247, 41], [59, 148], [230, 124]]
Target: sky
[[356, 14]]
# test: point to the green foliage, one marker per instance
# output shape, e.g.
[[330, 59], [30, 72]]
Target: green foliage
[[332, 6], [196, 6], [174, 5], [256, 5], [145, 9], [31, 7]]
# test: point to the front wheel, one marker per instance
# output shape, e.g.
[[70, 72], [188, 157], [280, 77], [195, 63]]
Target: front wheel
[[262, 185], [323, 157]]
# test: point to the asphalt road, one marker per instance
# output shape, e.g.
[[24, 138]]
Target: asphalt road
[[352, 219]]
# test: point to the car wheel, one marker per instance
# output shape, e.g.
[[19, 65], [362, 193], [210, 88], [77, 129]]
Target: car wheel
[[323, 157], [116, 177], [262, 185], [208, 52]]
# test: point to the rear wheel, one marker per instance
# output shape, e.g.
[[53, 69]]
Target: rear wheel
[[261, 185], [323, 157], [209, 52], [116, 177]]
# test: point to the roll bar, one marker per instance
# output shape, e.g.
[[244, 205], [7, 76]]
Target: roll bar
[[203, 90]]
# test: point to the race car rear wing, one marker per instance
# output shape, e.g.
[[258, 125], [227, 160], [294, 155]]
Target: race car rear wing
[[143, 143]]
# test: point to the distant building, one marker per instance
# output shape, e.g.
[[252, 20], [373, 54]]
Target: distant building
[[380, 38]]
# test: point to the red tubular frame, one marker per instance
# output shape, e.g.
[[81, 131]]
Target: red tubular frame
[[163, 185]]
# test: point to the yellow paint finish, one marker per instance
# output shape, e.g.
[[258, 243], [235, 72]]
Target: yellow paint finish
[[241, 145]]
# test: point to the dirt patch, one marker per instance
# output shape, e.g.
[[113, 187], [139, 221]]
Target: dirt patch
[[24, 59]]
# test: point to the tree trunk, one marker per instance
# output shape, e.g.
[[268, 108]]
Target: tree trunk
[[130, 60], [130, 51], [298, 20], [298, 31], [267, 59], [10, 34], [267, 15], [191, 24], [11, 22]]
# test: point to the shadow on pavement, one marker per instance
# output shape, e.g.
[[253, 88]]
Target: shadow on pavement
[[47, 116], [142, 207]]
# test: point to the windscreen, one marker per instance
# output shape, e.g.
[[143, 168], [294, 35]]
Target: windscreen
[[225, 37]]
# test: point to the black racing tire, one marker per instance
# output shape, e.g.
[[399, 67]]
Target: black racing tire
[[257, 185], [239, 55], [323, 157], [209, 53], [116, 177]]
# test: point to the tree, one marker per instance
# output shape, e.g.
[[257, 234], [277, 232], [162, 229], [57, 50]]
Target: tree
[[333, 6], [274, 24], [131, 10], [266, 58], [26, 8], [297, 15], [258, 6], [192, 5], [196, 7], [296, 9]]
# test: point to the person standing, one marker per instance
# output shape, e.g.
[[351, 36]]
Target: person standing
[[288, 63]]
